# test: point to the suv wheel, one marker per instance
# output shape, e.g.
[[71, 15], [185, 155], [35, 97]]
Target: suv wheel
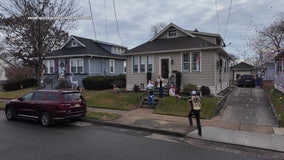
[[45, 119], [10, 113]]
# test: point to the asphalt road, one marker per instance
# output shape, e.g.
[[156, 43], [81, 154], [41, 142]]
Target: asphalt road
[[27, 140], [249, 106]]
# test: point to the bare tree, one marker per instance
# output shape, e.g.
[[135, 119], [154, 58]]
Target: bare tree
[[157, 28], [33, 28], [269, 40]]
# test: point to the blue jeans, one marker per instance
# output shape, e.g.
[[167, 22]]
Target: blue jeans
[[151, 100], [161, 92]]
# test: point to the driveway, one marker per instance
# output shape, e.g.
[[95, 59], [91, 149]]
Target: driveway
[[249, 106]]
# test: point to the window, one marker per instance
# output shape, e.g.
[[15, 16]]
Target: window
[[76, 65], [185, 62], [51, 97], [142, 64], [111, 66], [150, 64], [124, 66], [195, 61], [49, 66], [172, 33], [38, 96], [74, 43], [135, 64], [279, 66]]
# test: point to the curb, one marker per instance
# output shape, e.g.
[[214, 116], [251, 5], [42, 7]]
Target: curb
[[232, 144], [164, 132]]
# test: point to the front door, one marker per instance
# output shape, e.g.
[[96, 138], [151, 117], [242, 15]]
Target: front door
[[165, 68]]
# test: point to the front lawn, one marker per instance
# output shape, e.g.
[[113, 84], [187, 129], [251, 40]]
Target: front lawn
[[108, 99], [179, 107], [277, 98]]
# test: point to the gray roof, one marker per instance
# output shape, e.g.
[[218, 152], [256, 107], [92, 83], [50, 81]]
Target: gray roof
[[171, 44], [90, 48], [242, 66]]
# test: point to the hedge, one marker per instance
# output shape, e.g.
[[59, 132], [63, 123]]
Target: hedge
[[16, 85], [104, 82]]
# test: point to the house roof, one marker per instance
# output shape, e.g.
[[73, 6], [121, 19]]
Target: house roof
[[242, 66], [189, 42], [171, 44], [86, 47]]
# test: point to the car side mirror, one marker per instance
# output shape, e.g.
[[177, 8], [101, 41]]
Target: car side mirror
[[21, 99]]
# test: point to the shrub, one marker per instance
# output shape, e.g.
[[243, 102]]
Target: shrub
[[205, 90], [104, 82], [188, 88], [16, 85], [136, 88]]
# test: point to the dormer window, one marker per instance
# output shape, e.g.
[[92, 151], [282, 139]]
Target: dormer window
[[74, 44], [172, 33]]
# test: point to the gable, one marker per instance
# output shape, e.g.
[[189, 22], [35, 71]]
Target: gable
[[72, 42]]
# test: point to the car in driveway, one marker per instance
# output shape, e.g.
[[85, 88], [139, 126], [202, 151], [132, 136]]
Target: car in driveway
[[47, 106], [246, 80]]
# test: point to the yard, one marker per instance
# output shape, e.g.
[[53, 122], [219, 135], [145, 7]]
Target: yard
[[129, 101], [277, 98]]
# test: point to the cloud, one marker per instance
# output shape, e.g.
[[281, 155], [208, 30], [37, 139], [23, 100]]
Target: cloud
[[135, 19]]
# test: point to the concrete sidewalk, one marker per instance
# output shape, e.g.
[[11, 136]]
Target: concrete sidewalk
[[262, 137]]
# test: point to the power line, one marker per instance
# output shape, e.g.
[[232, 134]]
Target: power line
[[114, 9], [228, 19], [92, 20], [217, 16], [106, 21]]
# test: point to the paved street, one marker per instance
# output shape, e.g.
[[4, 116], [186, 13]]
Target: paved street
[[28, 140], [249, 106]]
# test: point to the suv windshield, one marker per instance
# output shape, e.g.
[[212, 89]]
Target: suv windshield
[[69, 97]]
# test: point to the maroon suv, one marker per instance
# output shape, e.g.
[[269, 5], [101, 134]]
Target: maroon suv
[[47, 106]]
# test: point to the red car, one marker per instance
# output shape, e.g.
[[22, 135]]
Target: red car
[[47, 106]]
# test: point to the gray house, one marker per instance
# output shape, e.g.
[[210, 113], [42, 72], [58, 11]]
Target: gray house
[[199, 56], [79, 58]]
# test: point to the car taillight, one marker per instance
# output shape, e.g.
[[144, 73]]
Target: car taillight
[[64, 106]]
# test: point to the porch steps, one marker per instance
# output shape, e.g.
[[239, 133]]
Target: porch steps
[[144, 103]]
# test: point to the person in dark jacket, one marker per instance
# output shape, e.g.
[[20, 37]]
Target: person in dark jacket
[[195, 107]]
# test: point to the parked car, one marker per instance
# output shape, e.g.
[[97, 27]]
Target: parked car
[[47, 106], [246, 80]]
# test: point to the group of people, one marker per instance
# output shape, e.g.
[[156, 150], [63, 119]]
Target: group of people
[[150, 90]]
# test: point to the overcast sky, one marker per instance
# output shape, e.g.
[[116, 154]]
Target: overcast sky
[[135, 18]]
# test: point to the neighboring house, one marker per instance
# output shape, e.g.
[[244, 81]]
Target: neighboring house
[[80, 57], [279, 71], [267, 71], [241, 69], [199, 57]]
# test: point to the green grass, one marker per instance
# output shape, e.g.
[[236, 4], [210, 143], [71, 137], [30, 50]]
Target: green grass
[[102, 116], [14, 94], [277, 98], [2, 105], [179, 107], [107, 99]]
